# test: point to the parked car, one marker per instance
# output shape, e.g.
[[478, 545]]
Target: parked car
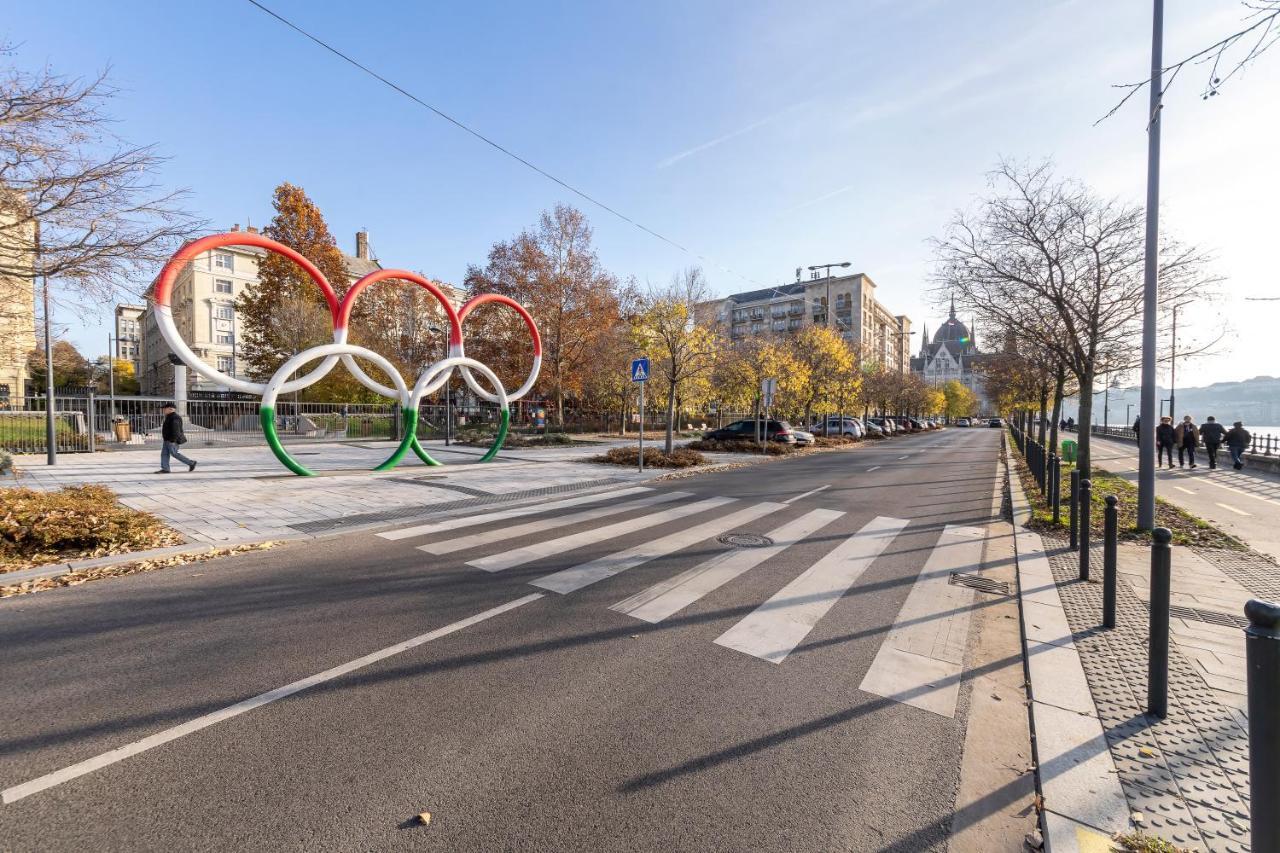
[[887, 426], [872, 429], [995, 422], [747, 431], [962, 422], [831, 425], [803, 439]]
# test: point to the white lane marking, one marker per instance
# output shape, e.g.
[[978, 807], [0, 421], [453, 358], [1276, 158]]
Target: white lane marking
[[1187, 491], [502, 515], [49, 780], [776, 627], [1230, 508], [670, 596], [905, 456], [922, 656], [1206, 481], [536, 551], [806, 494], [577, 577], [873, 468], [460, 543]]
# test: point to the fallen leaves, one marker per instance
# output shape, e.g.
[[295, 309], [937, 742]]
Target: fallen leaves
[[121, 569], [424, 818]]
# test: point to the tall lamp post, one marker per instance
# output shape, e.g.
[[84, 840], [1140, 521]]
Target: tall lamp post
[[448, 405], [827, 268], [1147, 412]]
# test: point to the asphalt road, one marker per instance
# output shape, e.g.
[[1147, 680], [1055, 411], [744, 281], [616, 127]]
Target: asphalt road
[[551, 723]]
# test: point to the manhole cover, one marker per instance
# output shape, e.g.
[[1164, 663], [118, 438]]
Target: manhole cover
[[744, 540]]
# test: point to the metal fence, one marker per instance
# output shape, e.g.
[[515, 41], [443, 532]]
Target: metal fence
[[88, 422], [1259, 444]]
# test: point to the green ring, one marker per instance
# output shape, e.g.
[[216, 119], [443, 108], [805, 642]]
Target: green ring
[[267, 417]]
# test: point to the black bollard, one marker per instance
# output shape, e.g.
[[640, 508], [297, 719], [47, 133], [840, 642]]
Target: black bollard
[[1158, 632], [1109, 532], [1262, 661], [1086, 498], [1074, 505], [1055, 487]]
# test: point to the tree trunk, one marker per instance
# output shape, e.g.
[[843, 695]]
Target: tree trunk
[[1059, 381], [1083, 422], [1044, 412], [671, 414]]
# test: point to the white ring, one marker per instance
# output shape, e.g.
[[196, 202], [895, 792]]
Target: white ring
[[426, 385], [459, 352], [278, 383]]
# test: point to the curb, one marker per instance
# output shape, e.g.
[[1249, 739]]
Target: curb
[[1083, 803], [53, 570]]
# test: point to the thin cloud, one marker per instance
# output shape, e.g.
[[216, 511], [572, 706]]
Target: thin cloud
[[811, 202], [698, 149]]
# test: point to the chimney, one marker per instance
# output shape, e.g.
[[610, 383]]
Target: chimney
[[362, 245], [252, 229], [235, 227]]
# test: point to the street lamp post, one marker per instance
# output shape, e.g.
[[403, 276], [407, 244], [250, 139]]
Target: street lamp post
[[1147, 412], [448, 405], [827, 269]]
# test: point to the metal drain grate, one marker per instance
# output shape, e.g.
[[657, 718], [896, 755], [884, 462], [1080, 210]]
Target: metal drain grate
[[979, 583], [1178, 611], [744, 540], [440, 484]]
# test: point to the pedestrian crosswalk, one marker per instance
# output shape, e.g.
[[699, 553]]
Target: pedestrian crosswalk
[[921, 657]]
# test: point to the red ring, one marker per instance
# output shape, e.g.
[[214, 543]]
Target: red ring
[[348, 301], [505, 300], [164, 283]]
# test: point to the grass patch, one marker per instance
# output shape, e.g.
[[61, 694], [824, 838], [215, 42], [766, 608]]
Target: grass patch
[[73, 523], [1187, 529], [681, 457], [1140, 842], [769, 448]]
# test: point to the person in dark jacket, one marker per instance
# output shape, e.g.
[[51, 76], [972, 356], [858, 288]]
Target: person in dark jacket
[[1238, 439], [1212, 433], [1137, 426], [1188, 440], [172, 435], [1164, 441]]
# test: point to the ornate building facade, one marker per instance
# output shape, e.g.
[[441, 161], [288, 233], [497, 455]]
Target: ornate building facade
[[952, 354]]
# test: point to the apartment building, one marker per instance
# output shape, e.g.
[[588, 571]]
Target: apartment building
[[17, 299], [846, 302], [203, 305], [128, 337]]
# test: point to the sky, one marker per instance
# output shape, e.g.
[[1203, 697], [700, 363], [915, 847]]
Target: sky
[[762, 136]]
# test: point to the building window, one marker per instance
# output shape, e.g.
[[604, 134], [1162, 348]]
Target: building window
[[224, 312], [224, 261], [224, 338], [226, 365], [222, 285]]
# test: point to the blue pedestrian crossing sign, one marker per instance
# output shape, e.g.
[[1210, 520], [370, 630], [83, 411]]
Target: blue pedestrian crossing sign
[[640, 370]]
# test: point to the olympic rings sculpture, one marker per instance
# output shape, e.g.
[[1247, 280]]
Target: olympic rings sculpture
[[430, 380]]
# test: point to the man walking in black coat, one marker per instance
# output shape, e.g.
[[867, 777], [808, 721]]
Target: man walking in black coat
[[1238, 439], [1212, 433], [1164, 441], [172, 434]]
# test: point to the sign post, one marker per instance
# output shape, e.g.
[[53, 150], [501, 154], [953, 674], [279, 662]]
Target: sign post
[[640, 373], [768, 388]]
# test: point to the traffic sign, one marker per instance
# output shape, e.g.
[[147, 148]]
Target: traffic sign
[[640, 370], [768, 388]]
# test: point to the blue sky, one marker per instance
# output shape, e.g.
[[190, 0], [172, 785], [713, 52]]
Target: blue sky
[[764, 136]]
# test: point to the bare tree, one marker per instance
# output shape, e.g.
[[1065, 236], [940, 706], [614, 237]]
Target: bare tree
[[104, 221], [1045, 254], [1225, 58]]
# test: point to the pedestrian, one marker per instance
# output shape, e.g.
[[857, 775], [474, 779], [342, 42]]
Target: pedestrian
[[1188, 440], [1071, 423], [1165, 440], [172, 435], [1062, 424], [1238, 439], [1137, 426], [1212, 433]]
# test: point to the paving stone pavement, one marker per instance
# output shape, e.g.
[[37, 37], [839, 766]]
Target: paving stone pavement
[[243, 494], [1188, 774]]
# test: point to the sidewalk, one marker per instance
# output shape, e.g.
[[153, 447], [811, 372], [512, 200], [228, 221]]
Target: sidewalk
[[1245, 503], [243, 494], [1186, 775]]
